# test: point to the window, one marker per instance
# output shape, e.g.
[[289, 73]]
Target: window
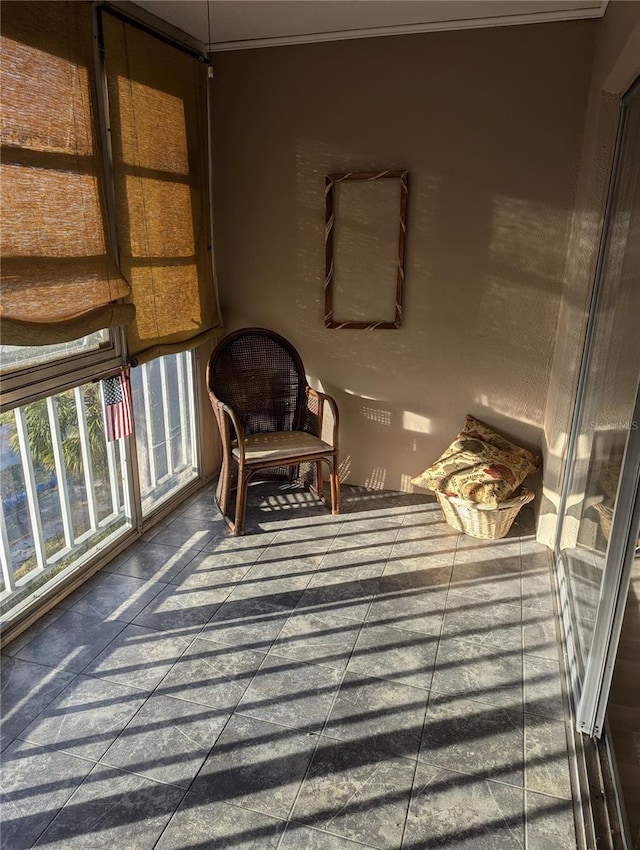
[[166, 443], [69, 495], [64, 490]]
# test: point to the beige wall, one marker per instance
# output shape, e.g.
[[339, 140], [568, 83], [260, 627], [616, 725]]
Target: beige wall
[[211, 453], [616, 65], [489, 124]]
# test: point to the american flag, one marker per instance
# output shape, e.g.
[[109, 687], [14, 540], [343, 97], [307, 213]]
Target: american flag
[[117, 405]]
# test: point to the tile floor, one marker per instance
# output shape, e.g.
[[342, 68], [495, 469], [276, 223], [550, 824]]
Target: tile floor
[[324, 683]]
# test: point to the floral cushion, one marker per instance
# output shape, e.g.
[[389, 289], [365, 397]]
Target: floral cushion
[[476, 430], [479, 466]]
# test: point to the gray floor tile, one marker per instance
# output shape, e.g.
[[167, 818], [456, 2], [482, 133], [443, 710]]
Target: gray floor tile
[[251, 545], [85, 718], [542, 687], [138, 657], [152, 560], [70, 642], [320, 637], [550, 823], [110, 596], [417, 611], [496, 580], [382, 715], [346, 595], [36, 782], [547, 763], [27, 688], [471, 549], [539, 636], [485, 623], [536, 590], [385, 652], [112, 810], [185, 532], [39, 626], [318, 525], [206, 825], [414, 574], [366, 549], [256, 765], [478, 672], [417, 549], [535, 556], [246, 623], [202, 507], [180, 609], [474, 737], [212, 674], [214, 572], [298, 837], [287, 548], [455, 810], [168, 740], [276, 586], [364, 562], [291, 693], [353, 791]]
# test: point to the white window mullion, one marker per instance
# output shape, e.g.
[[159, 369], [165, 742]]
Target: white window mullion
[[61, 472], [166, 418], [184, 409], [193, 429], [5, 555], [146, 395], [30, 488], [128, 492], [86, 458]]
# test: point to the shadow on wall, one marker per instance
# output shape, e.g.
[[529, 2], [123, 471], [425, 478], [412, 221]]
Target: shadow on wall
[[478, 345]]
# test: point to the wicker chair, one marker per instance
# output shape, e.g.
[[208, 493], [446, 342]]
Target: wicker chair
[[268, 417]]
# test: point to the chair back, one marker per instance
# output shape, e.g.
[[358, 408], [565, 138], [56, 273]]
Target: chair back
[[260, 375]]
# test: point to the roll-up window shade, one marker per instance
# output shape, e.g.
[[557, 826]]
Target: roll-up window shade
[[59, 276], [158, 116]]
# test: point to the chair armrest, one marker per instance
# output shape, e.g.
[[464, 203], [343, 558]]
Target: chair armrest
[[226, 415], [320, 400]]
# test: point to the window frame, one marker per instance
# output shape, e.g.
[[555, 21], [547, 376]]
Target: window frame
[[30, 383]]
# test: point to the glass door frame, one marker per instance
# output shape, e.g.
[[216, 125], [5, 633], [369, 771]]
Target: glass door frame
[[591, 676], [615, 587]]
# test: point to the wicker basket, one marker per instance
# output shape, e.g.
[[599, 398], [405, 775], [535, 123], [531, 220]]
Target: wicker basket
[[477, 521], [605, 517]]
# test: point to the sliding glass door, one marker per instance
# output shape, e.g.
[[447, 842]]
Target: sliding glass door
[[599, 524]]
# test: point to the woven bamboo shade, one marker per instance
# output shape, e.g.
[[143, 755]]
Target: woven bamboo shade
[[59, 277], [158, 113]]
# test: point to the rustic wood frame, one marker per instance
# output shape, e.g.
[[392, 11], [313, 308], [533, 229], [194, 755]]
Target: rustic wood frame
[[330, 182]]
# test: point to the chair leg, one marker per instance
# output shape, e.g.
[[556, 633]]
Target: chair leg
[[223, 490], [334, 484], [241, 502], [319, 480]]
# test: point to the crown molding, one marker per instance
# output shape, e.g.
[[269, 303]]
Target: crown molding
[[407, 29]]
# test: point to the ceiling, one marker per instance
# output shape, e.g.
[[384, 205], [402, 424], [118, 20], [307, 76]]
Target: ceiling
[[241, 24]]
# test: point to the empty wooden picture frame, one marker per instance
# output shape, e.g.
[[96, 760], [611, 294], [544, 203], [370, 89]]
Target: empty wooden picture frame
[[365, 234]]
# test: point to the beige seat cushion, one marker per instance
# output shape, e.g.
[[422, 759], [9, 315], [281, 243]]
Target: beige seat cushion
[[281, 445]]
